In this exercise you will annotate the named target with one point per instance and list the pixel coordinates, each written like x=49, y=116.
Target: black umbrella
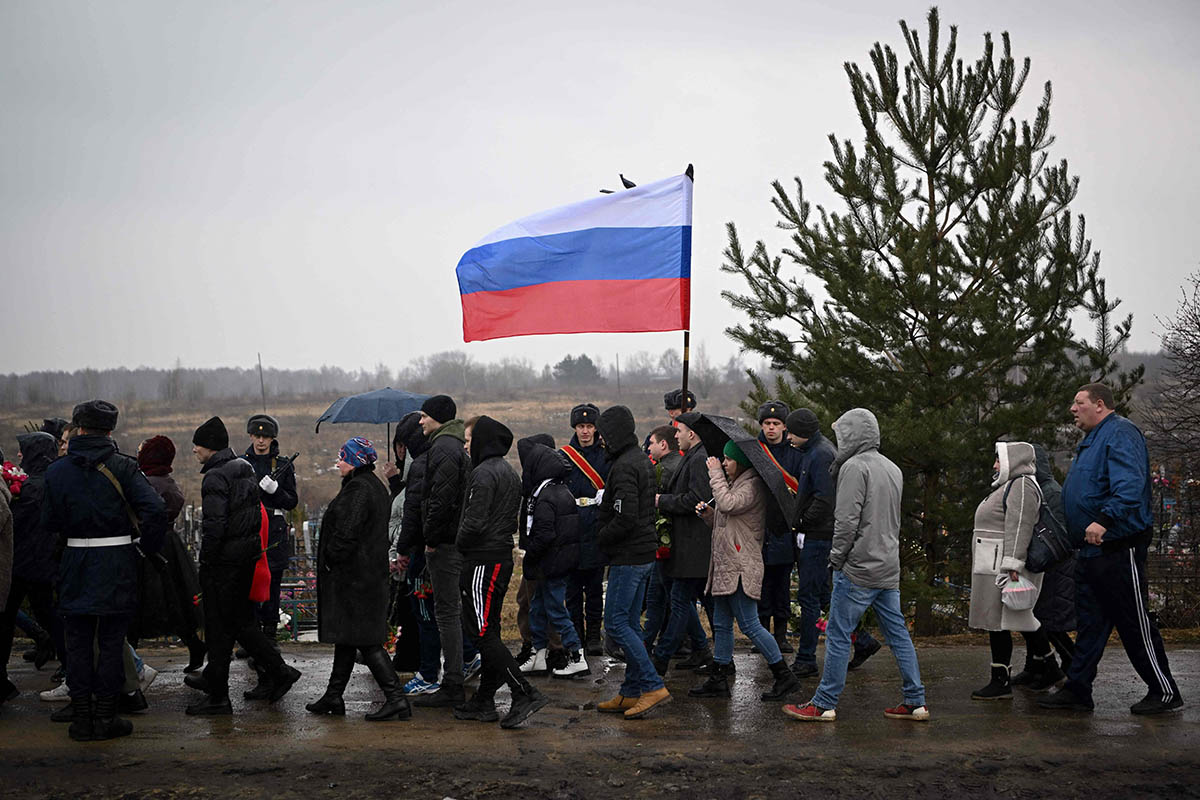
x=382, y=405
x=714, y=431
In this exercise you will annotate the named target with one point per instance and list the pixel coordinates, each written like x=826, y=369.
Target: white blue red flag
x=618, y=263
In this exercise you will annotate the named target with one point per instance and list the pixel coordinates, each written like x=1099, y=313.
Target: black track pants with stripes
x=1111, y=591
x=483, y=589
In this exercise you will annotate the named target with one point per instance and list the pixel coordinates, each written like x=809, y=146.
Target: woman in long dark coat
x=352, y=583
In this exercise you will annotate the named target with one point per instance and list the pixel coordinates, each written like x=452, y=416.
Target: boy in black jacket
x=485, y=539
x=551, y=552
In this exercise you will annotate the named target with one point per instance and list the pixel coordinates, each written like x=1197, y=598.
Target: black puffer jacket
x=352, y=563
x=493, y=502
x=444, y=483
x=691, y=536
x=229, y=499
x=1055, y=607
x=552, y=542
x=411, y=539
x=626, y=517
x=33, y=548
x=524, y=448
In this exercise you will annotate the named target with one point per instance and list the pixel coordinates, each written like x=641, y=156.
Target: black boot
x=1048, y=674
x=395, y=705
x=262, y=689
x=781, y=627
x=1000, y=687
x=785, y=682
x=661, y=665
x=699, y=657
x=196, y=652
x=331, y=702
x=1029, y=673
x=82, y=727
x=106, y=724
x=43, y=652
x=716, y=684
x=594, y=645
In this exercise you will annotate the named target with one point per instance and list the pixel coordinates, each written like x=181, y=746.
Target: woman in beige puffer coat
x=735, y=571
x=1003, y=529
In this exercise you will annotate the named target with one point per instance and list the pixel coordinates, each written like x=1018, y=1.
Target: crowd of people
x=624, y=547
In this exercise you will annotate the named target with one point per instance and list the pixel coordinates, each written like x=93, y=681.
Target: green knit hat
x=734, y=452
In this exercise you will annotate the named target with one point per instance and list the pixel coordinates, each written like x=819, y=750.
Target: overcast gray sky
x=206, y=180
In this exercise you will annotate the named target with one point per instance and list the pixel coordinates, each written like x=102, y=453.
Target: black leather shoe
x=444, y=697
x=196, y=682
x=805, y=670
x=210, y=706
x=523, y=705
x=862, y=654
x=196, y=652
x=262, y=689
x=1065, y=700
x=132, y=703
x=331, y=704
x=283, y=681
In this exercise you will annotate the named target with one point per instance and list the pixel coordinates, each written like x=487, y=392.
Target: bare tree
x=1174, y=414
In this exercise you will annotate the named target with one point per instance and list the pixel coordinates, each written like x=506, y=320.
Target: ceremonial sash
x=793, y=485
x=587, y=469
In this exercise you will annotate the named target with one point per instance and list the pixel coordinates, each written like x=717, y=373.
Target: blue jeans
x=549, y=607
x=683, y=619
x=727, y=607
x=849, y=602
x=623, y=621
x=812, y=594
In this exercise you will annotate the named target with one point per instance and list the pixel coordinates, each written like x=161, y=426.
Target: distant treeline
x=453, y=372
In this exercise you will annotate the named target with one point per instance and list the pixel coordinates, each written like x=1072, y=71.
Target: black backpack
x=1049, y=544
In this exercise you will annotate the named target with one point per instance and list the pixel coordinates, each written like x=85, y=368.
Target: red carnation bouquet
x=14, y=477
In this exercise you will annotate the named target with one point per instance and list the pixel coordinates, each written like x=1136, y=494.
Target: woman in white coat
x=1003, y=529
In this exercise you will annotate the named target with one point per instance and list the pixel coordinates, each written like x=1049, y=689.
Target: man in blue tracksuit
x=1106, y=498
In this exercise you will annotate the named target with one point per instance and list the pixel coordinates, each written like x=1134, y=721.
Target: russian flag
x=617, y=263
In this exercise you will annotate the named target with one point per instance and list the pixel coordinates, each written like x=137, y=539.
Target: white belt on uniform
x=103, y=541
x=279, y=512
x=585, y=501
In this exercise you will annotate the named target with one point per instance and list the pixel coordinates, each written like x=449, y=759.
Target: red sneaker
x=903, y=711
x=810, y=713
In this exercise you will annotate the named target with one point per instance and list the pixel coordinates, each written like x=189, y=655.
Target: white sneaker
x=58, y=694
x=537, y=664
x=146, y=677
x=576, y=665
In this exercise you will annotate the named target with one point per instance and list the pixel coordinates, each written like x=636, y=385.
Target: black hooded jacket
x=230, y=502
x=552, y=517
x=80, y=502
x=524, y=448
x=33, y=548
x=493, y=499
x=626, y=518
x=444, y=482
x=411, y=541
x=1055, y=607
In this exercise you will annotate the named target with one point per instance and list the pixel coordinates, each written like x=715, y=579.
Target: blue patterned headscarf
x=358, y=452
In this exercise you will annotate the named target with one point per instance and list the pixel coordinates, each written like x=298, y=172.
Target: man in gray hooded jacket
x=865, y=558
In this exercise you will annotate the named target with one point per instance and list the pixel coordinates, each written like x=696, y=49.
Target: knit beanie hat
x=772, y=409
x=156, y=455
x=212, y=435
x=732, y=451
x=803, y=423
x=441, y=408
x=358, y=452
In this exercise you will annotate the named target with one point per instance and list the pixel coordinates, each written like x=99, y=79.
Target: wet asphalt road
x=703, y=748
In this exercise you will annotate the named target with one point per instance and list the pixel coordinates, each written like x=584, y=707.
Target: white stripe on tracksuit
x=1144, y=627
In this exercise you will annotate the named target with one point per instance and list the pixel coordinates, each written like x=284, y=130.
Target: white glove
x=799, y=541
x=268, y=484
x=599, y=496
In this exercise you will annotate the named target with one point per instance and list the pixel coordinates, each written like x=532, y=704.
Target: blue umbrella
x=382, y=405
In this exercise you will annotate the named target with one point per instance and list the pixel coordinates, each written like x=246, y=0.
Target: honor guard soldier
x=277, y=490
x=589, y=470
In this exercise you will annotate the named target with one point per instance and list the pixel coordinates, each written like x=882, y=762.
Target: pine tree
x=950, y=276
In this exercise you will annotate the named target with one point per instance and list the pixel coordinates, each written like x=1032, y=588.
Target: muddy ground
x=692, y=748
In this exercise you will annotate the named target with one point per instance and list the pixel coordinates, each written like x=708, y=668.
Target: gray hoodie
x=866, y=528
